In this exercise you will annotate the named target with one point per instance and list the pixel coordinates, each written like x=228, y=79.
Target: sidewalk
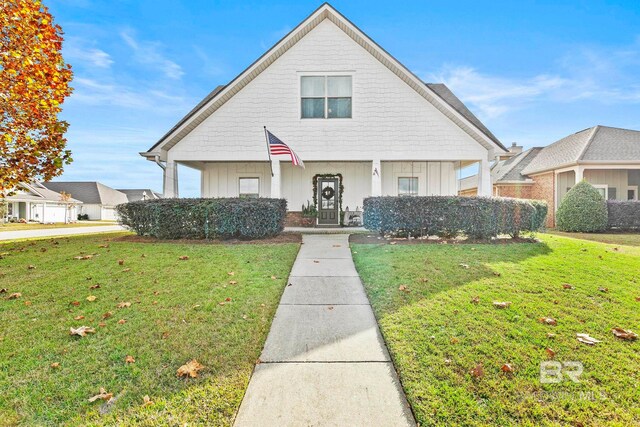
x=56, y=232
x=324, y=362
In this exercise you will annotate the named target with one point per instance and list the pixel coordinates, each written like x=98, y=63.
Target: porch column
x=579, y=174
x=376, y=178
x=275, y=180
x=484, y=179
x=170, y=182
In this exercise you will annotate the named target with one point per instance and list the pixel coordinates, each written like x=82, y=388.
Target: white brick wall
x=390, y=120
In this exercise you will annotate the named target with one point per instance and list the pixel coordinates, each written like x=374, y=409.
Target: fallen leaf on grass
x=126, y=270
x=586, y=339
x=273, y=277
x=27, y=303
x=231, y=273
x=121, y=322
x=96, y=286
x=82, y=331
x=403, y=288
x=548, y=321
x=624, y=334
x=567, y=286
x=78, y=318
x=550, y=335
x=475, y=300
x=424, y=280
x=228, y=299
x=464, y=266
x=103, y=246
x=31, y=267
x=83, y=257
x=91, y=298
x=507, y=368
x=14, y=295
x=43, y=250
x=123, y=304
x=102, y=324
x=120, y=262
x=183, y=258
x=103, y=395
x=4, y=290
x=107, y=315
x=550, y=353
x=146, y=401
x=454, y=340
x=501, y=304
x=638, y=299
x=55, y=365
x=75, y=303
x=233, y=282
x=190, y=369
x=477, y=372
x=129, y=359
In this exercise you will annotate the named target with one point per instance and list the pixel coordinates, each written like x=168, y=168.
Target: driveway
x=56, y=232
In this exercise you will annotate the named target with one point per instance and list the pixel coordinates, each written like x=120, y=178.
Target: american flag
x=277, y=147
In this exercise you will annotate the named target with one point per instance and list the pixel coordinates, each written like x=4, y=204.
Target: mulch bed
x=280, y=239
x=380, y=240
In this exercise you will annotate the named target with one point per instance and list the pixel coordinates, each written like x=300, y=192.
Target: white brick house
x=345, y=106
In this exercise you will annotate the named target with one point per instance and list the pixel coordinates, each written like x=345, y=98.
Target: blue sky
x=533, y=71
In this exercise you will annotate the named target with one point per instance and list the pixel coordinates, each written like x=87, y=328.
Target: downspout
x=156, y=159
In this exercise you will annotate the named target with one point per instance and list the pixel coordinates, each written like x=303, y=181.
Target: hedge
x=624, y=215
x=223, y=218
x=448, y=216
x=582, y=209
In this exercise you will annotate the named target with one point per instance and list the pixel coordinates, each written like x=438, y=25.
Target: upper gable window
x=326, y=97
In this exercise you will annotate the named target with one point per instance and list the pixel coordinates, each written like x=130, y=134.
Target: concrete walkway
x=324, y=362
x=56, y=232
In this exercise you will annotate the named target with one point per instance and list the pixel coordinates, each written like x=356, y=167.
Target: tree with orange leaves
x=34, y=82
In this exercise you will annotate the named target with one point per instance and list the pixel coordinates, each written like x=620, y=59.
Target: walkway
x=56, y=232
x=324, y=362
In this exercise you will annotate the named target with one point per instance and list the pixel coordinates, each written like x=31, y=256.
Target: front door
x=328, y=213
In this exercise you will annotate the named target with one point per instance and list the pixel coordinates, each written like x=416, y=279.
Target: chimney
x=514, y=150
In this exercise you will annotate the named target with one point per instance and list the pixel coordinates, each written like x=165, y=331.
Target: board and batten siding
x=613, y=178
x=434, y=178
x=390, y=120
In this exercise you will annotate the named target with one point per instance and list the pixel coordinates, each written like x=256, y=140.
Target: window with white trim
x=408, y=186
x=9, y=209
x=632, y=192
x=602, y=189
x=249, y=188
x=325, y=97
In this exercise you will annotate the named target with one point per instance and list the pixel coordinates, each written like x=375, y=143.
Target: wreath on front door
x=328, y=193
x=340, y=191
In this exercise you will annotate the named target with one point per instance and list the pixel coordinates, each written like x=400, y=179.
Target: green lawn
x=437, y=335
x=17, y=226
x=175, y=316
x=631, y=239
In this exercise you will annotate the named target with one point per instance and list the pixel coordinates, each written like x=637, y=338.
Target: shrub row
x=223, y=218
x=448, y=216
x=624, y=215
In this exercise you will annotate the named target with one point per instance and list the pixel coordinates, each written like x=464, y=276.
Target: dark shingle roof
x=521, y=161
x=89, y=192
x=450, y=98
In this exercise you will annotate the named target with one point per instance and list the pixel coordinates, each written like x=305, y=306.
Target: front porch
x=332, y=187
x=614, y=182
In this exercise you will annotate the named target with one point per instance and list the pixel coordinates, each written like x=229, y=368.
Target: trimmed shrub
x=223, y=218
x=582, y=209
x=448, y=216
x=624, y=215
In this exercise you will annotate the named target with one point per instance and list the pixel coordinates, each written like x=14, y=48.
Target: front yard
x=215, y=307
x=450, y=349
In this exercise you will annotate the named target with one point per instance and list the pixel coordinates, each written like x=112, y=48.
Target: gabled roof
x=133, y=195
x=89, y=192
x=37, y=192
x=598, y=144
x=460, y=116
x=506, y=171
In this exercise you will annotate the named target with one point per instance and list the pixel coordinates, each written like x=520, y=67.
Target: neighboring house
x=357, y=117
x=98, y=200
x=606, y=157
x=34, y=202
x=143, y=194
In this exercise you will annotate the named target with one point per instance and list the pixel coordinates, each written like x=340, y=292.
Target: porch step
x=326, y=230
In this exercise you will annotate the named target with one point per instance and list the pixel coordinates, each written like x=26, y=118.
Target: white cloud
x=149, y=53
x=79, y=55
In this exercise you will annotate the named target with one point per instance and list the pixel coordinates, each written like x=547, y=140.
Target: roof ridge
x=589, y=141
x=510, y=167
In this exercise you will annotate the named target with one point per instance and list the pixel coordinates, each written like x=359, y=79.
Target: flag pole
x=266, y=138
